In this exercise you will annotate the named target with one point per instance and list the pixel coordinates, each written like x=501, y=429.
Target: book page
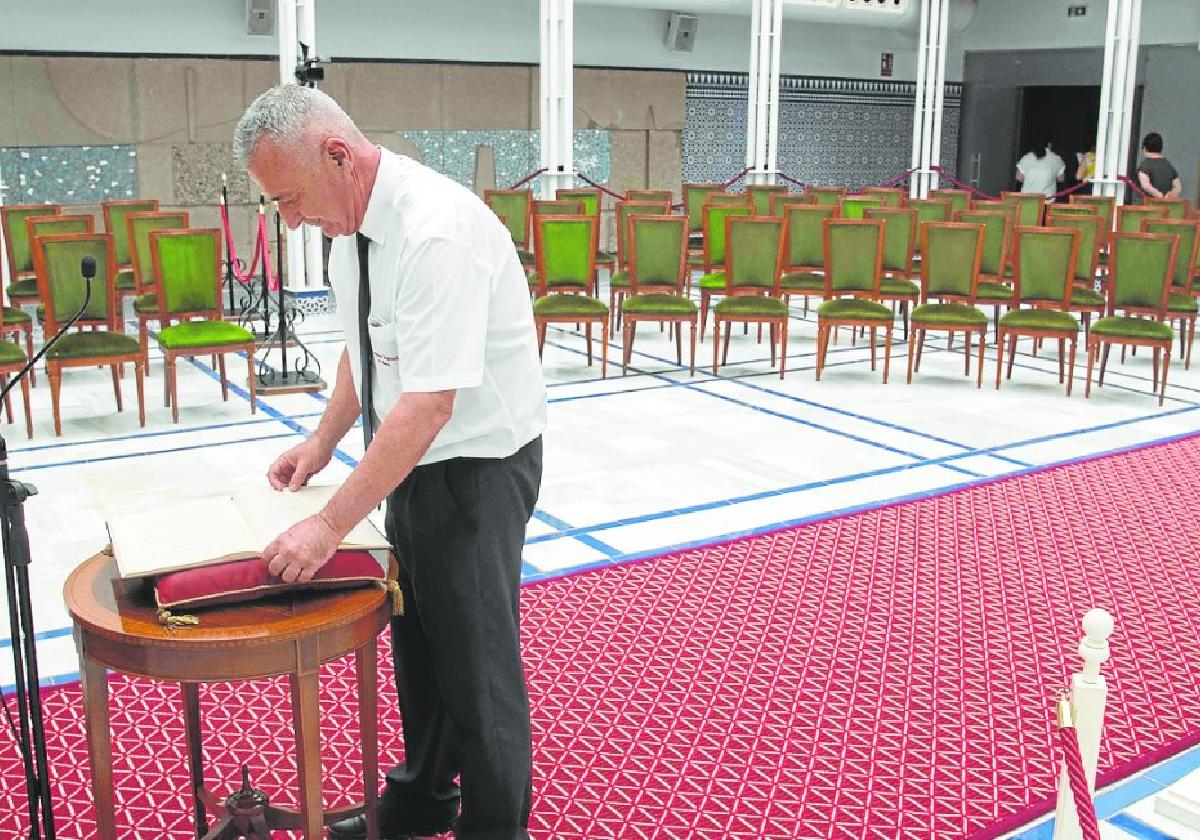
x=180, y=536
x=271, y=512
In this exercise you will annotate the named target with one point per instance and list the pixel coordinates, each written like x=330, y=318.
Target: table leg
x=94, y=679
x=191, y=725
x=306, y=725
x=368, y=732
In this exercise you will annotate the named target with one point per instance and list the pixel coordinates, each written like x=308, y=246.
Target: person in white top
x=453, y=388
x=1040, y=171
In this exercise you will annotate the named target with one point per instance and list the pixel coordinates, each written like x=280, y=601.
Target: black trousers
x=458, y=528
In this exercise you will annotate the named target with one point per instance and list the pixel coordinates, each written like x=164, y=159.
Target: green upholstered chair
x=780, y=201
x=558, y=207
x=1085, y=300
x=516, y=208
x=997, y=221
x=1031, y=207
x=852, y=206
x=888, y=196
x=713, y=260
x=657, y=271
x=1177, y=208
x=928, y=210
x=899, y=241
x=566, y=260
x=1106, y=206
x=1045, y=273
x=659, y=196
x=62, y=292
x=753, y=265
x=949, y=275
x=593, y=204
x=187, y=264
x=1053, y=210
x=827, y=195
x=17, y=248
x=853, y=275
x=12, y=360
x=1130, y=217
x=1181, y=306
x=960, y=200
x=25, y=291
x=114, y=223
x=1140, y=271
x=804, y=250
x=760, y=196
x=618, y=283
x=145, y=281
x=695, y=196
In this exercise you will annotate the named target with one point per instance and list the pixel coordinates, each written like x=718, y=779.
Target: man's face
x=309, y=185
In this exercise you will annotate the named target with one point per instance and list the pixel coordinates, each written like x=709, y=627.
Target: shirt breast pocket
x=384, y=353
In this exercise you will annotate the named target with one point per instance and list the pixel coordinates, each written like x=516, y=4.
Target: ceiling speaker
x=260, y=17
x=681, y=32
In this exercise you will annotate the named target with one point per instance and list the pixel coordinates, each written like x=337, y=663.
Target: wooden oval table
x=116, y=627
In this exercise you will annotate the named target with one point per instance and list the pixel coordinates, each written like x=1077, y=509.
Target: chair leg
x=144, y=338
x=603, y=347
x=1166, y=366
x=887, y=350
x=982, y=342
x=116, y=378
x=1091, y=354
x=677, y=328
x=783, y=329
x=1012, y=354
x=772, y=332
x=1103, y=364
x=904, y=315
x=872, y=346
x=999, y=358
x=170, y=370
x=626, y=346
x=587, y=333
x=920, y=348
x=25, y=383
x=54, y=373
x=166, y=381
x=1062, y=346
x=1087, y=327
x=33, y=370
x=139, y=378
x=967, y=353
x=541, y=337
x=728, y=335
x=822, y=341
x=1187, y=359
x=912, y=353
x=250, y=379
x=224, y=381
x=7, y=397
x=1071, y=366
x=716, y=342
x=692, y=357
x=704, y=296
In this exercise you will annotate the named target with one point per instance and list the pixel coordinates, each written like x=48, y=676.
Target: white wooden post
x=1122, y=33
x=1089, y=693
x=557, y=96
x=928, y=101
x=762, y=92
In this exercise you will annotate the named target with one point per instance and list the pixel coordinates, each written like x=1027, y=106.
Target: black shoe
x=392, y=826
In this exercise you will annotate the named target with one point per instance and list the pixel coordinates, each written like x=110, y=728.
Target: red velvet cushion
x=246, y=580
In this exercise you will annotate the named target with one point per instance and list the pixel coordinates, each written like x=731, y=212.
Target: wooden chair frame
x=789, y=268
x=968, y=299
x=7, y=211
x=616, y=294
x=826, y=325
x=1187, y=333
x=141, y=283
x=487, y=194
x=709, y=266
x=906, y=274
x=778, y=325
x=630, y=320
x=541, y=322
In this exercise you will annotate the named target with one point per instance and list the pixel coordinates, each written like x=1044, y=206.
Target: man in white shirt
x=449, y=385
x=1040, y=171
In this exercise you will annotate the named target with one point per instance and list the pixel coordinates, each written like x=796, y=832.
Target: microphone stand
x=14, y=539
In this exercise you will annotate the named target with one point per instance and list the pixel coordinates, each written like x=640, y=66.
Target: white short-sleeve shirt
x=449, y=311
x=1041, y=174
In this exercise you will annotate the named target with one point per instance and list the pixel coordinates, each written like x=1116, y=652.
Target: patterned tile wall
x=68, y=174
x=831, y=131
x=453, y=153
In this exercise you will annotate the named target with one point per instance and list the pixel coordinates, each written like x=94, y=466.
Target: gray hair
x=284, y=113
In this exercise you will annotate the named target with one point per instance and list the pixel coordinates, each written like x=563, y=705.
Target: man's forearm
x=342, y=409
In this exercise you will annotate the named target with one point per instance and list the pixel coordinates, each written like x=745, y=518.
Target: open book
x=209, y=531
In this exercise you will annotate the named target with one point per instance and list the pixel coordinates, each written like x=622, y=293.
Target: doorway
x=1063, y=115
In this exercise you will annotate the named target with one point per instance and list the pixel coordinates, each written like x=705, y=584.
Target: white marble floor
x=635, y=465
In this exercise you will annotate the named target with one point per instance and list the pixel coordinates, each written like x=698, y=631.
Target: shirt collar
x=374, y=223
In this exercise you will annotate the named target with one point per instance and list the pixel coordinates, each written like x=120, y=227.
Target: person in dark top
x=1156, y=176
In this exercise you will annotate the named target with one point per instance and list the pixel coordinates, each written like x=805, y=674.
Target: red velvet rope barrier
x=600, y=187
x=1085, y=809
x=528, y=178
x=265, y=247
x=262, y=250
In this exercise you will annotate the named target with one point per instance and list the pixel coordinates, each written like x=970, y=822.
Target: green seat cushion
x=526, y=257
x=85, y=345
x=560, y=283
x=13, y=315
x=659, y=305
x=1039, y=319
x=1181, y=303
x=803, y=282
x=619, y=280
x=603, y=258
x=958, y=314
x=855, y=309
x=993, y=291
x=1086, y=297
x=125, y=279
x=203, y=334
x=569, y=305
x=744, y=305
x=23, y=289
x=713, y=281
x=11, y=353
x=695, y=259
x=1123, y=327
x=897, y=287
x=146, y=304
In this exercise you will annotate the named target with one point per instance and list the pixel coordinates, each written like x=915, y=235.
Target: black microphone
x=87, y=267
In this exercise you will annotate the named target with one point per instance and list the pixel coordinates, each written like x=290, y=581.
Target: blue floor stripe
x=57, y=633
x=585, y=538
x=1134, y=826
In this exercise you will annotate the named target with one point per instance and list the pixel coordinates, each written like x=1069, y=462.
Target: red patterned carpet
x=886, y=674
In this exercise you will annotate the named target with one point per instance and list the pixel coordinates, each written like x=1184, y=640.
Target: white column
x=557, y=95
x=5, y=190
x=762, y=92
x=1122, y=33
x=314, y=249
x=930, y=92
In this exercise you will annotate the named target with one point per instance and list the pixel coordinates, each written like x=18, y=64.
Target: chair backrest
x=590, y=196
x=730, y=198
x=649, y=195
x=17, y=249
x=1130, y=217
x=61, y=287
x=996, y=225
x=566, y=249
x=1106, y=206
x=140, y=226
x=929, y=210
x=950, y=265
x=626, y=209
x=959, y=199
x=804, y=235
x=1185, y=258
x=516, y=208
x=755, y=254
x=1072, y=210
x=1044, y=265
x=657, y=251
x=1088, y=225
x=899, y=236
x=1032, y=206
x=889, y=196
x=1139, y=269
x=852, y=207
x=760, y=196
x=187, y=264
x=114, y=222
x=781, y=200
x=695, y=196
x=827, y=195
x=557, y=207
x=36, y=226
x=714, y=229
x=853, y=257
x=1177, y=208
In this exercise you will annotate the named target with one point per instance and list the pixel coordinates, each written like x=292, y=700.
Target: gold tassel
x=107, y=550
x=176, y=622
x=397, y=597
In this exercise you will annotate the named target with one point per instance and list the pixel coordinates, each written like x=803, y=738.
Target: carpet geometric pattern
x=880, y=675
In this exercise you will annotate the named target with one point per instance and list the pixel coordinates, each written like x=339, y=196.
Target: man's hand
x=294, y=468
x=300, y=551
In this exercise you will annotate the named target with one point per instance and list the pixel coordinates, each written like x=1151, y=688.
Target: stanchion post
x=1089, y=692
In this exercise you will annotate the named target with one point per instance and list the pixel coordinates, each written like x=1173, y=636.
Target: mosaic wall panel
x=68, y=174
x=197, y=169
x=831, y=131
x=517, y=152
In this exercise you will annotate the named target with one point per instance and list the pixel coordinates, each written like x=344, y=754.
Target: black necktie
x=366, y=357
